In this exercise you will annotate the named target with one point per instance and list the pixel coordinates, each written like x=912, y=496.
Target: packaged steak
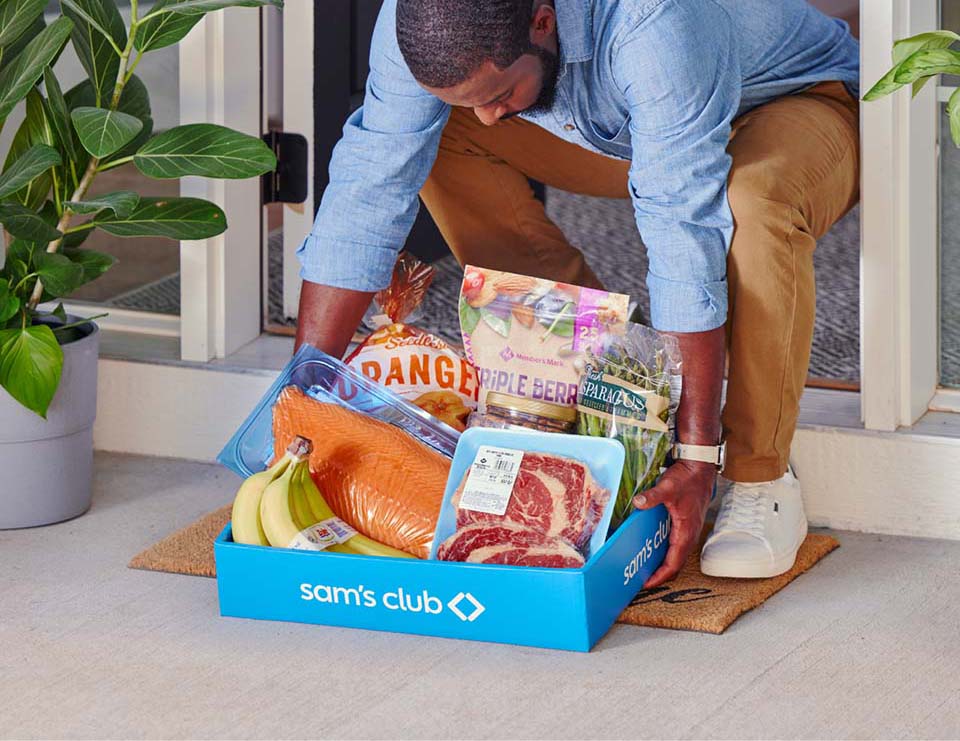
x=527, y=338
x=519, y=502
x=416, y=365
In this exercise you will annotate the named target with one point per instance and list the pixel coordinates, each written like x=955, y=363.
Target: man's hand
x=685, y=490
x=686, y=486
x=329, y=316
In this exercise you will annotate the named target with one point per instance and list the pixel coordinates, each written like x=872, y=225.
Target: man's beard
x=550, y=66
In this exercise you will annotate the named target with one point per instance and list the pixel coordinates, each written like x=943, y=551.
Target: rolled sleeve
x=359, y=267
x=687, y=307
x=681, y=104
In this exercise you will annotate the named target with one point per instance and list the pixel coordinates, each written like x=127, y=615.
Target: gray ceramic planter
x=47, y=465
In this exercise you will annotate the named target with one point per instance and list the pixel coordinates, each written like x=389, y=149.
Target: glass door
x=949, y=222
x=317, y=58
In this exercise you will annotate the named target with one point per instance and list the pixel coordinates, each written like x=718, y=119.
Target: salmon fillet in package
x=375, y=476
x=416, y=365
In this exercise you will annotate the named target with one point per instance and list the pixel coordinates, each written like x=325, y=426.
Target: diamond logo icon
x=454, y=606
x=506, y=354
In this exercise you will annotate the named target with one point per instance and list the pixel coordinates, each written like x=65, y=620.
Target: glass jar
x=515, y=412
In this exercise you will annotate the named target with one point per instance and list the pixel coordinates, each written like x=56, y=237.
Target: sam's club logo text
x=464, y=605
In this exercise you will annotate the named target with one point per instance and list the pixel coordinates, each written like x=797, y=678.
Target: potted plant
x=48, y=360
x=915, y=61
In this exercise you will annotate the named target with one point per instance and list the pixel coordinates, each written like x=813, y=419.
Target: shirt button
x=569, y=127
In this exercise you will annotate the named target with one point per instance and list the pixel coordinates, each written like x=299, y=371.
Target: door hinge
x=288, y=183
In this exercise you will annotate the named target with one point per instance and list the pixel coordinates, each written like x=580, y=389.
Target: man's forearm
x=704, y=356
x=329, y=316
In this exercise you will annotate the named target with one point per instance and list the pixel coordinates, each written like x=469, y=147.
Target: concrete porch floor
x=866, y=645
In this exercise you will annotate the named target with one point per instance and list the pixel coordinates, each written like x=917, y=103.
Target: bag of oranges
x=417, y=365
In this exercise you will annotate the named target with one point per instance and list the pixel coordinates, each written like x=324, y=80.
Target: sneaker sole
x=752, y=569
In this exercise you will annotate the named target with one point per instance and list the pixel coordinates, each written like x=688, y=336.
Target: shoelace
x=742, y=509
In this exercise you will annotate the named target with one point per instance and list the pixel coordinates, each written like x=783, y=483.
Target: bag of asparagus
x=629, y=390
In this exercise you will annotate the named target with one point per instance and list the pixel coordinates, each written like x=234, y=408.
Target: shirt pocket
x=616, y=131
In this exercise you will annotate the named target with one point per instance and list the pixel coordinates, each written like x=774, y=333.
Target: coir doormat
x=691, y=601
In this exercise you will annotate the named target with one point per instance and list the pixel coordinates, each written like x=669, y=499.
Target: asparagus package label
x=527, y=336
x=611, y=398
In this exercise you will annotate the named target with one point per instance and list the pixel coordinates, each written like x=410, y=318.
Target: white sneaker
x=758, y=531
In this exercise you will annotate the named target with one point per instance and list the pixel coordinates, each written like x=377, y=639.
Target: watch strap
x=715, y=454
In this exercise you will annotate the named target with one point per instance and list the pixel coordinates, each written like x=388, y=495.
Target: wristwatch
x=715, y=454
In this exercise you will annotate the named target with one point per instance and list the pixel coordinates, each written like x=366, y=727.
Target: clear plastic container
x=506, y=412
x=327, y=379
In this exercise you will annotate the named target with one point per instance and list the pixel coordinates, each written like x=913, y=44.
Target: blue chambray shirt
x=656, y=82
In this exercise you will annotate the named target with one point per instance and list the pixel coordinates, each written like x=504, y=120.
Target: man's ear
x=543, y=24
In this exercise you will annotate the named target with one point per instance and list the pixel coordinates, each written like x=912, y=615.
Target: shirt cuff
x=687, y=307
x=357, y=267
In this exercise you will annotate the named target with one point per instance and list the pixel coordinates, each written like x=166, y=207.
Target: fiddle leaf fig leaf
x=164, y=29
x=32, y=163
x=205, y=6
x=16, y=16
x=18, y=78
x=98, y=33
x=26, y=224
x=205, y=150
x=175, y=218
x=94, y=263
x=122, y=203
x=59, y=113
x=60, y=275
x=104, y=132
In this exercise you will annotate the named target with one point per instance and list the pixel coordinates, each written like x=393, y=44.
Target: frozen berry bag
x=528, y=338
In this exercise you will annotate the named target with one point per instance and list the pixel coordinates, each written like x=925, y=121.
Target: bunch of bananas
x=283, y=507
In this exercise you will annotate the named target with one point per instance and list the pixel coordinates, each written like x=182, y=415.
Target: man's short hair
x=444, y=42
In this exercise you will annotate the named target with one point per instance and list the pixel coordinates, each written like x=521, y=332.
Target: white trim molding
x=899, y=272
x=298, y=117
x=172, y=410
x=896, y=483
x=220, y=278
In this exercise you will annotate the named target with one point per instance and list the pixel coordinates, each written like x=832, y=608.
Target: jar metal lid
x=532, y=406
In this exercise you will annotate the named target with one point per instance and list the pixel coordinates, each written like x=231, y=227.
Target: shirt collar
x=575, y=30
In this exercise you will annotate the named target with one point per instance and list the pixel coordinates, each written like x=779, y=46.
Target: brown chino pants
x=795, y=172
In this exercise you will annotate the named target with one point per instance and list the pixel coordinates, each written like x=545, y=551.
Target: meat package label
x=491, y=479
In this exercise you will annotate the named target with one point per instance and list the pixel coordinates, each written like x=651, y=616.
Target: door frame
x=899, y=227
x=220, y=293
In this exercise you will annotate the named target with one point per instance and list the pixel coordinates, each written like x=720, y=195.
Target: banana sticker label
x=321, y=536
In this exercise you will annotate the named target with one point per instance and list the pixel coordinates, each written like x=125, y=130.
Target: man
x=731, y=124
